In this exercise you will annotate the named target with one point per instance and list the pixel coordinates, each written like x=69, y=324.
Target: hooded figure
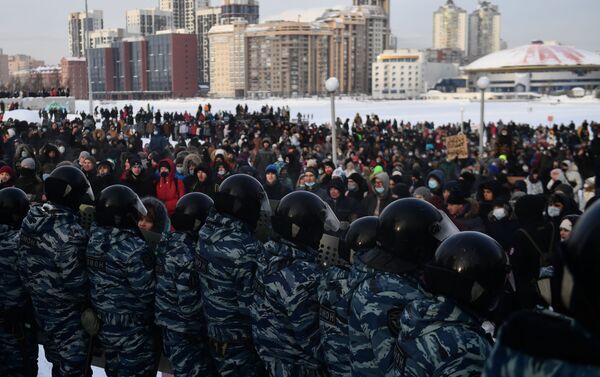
x=29, y=182
x=190, y=162
x=435, y=183
x=201, y=181
x=168, y=188
x=344, y=207
x=381, y=196
x=534, y=246
x=138, y=179
x=357, y=187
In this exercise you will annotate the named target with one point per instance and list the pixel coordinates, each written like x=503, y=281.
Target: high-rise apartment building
x=228, y=59
x=184, y=13
x=347, y=60
x=450, y=27
x=78, y=24
x=232, y=10
x=202, y=4
x=286, y=59
x=148, y=21
x=383, y=4
x=20, y=62
x=484, y=30
x=206, y=18
x=104, y=37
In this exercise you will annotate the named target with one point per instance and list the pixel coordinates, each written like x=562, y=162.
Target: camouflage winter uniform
x=438, y=338
x=17, y=342
x=121, y=270
x=335, y=291
x=178, y=309
x=51, y=266
x=375, y=309
x=227, y=264
x=285, y=313
x=543, y=345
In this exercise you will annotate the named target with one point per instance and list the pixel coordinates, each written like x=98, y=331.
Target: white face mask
x=499, y=213
x=432, y=184
x=553, y=211
x=61, y=149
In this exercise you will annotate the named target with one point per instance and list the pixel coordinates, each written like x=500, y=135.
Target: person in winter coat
x=168, y=188
x=345, y=208
x=138, y=179
x=534, y=184
x=264, y=157
x=381, y=196
x=311, y=183
x=201, y=181
x=464, y=212
x=273, y=187
x=572, y=175
x=29, y=182
x=7, y=177
x=104, y=178
x=502, y=226
x=435, y=183
x=357, y=187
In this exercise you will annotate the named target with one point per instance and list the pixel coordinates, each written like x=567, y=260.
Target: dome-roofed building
x=542, y=67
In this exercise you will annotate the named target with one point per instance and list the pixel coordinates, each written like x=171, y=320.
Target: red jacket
x=169, y=189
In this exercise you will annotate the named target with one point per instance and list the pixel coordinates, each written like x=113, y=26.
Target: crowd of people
x=449, y=266
x=44, y=92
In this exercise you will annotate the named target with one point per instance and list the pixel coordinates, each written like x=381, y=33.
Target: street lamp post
x=483, y=83
x=462, y=119
x=332, y=84
x=88, y=59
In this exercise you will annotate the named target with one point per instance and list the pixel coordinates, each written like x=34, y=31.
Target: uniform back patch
x=328, y=315
x=96, y=263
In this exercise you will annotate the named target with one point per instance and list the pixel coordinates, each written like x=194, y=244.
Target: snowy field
x=563, y=109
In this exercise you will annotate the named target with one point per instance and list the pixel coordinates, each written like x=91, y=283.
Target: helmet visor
x=265, y=204
x=444, y=228
x=331, y=222
x=90, y=193
x=140, y=207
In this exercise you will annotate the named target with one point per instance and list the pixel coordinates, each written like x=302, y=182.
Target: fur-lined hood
x=191, y=158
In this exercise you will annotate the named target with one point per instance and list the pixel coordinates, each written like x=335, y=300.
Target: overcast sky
x=39, y=27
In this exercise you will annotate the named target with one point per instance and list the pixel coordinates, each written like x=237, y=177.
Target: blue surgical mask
x=380, y=190
x=352, y=187
x=432, y=184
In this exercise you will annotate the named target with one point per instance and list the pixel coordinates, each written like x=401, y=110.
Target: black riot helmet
x=243, y=197
x=471, y=268
x=119, y=207
x=68, y=186
x=191, y=212
x=302, y=217
x=361, y=235
x=412, y=229
x=580, y=274
x=14, y=206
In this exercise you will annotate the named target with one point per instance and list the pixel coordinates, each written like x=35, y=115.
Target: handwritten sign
x=458, y=146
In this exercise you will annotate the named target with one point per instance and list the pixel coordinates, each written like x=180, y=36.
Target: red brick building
x=156, y=66
x=74, y=76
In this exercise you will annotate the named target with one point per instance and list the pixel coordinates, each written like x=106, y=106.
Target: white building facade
x=228, y=59
x=184, y=13
x=206, y=18
x=406, y=74
x=104, y=37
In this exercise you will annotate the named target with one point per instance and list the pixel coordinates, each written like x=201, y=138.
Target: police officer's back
x=286, y=312
x=51, y=266
x=443, y=335
x=178, y=309
x=335, y=290
x=228, y=251
x=121, y=270
x=408, y=232
x=17, y=337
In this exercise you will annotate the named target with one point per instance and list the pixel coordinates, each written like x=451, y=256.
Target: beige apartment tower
x=484, y=30
x=450, y=27
x=227, y=59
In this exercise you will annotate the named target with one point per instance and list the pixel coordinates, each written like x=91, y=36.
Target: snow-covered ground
x=562, y=109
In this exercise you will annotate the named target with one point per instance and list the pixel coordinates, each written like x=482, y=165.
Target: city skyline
x=411, y=21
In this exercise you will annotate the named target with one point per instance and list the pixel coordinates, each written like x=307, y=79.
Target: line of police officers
x=413, y=301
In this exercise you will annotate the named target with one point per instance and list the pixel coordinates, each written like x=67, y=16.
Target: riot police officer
x=408, y=233
x=52, y=268
x=121, y=271
x=228, y=252
x=285, y=314
x=17, y=338
x=178, y=308
x=335, y=290
x=443, y=335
